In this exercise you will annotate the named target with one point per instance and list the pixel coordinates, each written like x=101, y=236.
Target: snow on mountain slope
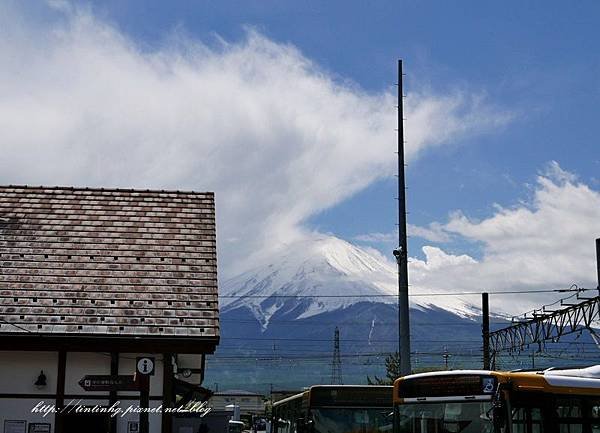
x=317, y=276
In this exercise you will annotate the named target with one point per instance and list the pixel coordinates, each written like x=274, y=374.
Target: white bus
x=476, y=401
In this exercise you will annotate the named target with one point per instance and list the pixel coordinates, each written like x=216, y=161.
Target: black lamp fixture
x=41, y=381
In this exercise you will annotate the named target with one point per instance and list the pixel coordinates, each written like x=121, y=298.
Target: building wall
x=19, y=371
x=249, y=404
x=20, y=409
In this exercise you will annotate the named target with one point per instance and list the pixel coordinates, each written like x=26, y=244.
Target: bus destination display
x=352, y=396
x=447, y=386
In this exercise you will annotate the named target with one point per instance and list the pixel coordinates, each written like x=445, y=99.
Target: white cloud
x=544, y=243
x=434, y=232
x=276, y=137
x=376, y=237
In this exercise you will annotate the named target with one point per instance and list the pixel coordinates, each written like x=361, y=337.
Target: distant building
x=250, y=403
x=90, y=280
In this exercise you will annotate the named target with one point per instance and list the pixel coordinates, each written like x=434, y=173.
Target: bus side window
x=537, y=425
x=519, y=420
x=569, y=415
x=527, y=420
x=595, y=416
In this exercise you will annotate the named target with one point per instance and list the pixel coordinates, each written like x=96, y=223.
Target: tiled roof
x=107, y=262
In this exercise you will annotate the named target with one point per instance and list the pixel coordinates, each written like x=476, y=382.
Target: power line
x=326, y=356
x=548, y=326
x=310, y=340
x=305, y=322
x=414, y=295
x=574, y=288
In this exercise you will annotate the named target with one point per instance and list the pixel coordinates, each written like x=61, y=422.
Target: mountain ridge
x=325, y=274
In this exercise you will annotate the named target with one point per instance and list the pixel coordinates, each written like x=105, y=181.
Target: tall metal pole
x=485, y=328
x=402, y=252
x=598, y=262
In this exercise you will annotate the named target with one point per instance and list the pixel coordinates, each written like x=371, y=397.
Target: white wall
x=80, y=364
x=19, y=371
x=20, y=409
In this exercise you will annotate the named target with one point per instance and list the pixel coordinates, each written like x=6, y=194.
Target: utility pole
x=485, y=328
x=598, y=262
x=401, y=253
x=336, y=363
x=446, y=356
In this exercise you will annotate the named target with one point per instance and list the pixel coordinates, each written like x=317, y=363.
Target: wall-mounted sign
x=15, y=426
x=108, y=383
x=145, y=365
x=38, y=427
x=133, y=427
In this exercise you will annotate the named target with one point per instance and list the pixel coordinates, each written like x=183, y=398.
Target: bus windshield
x=352, y=420
x=446, y=417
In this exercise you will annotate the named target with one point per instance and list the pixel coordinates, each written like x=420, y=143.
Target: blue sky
x=286, y=110
x=539, y=59
x=536, y=59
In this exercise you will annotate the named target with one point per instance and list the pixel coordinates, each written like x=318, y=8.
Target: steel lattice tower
x=548, y=324
x=336, y=363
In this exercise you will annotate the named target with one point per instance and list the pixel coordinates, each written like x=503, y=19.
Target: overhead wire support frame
x=548, y=327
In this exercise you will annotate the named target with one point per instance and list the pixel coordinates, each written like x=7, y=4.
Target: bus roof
x=592, y=372
x=290, y=398
x=447, y=373
x=584, y=381
x=342, y=388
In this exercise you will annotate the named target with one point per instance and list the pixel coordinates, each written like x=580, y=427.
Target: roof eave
x=108, y=343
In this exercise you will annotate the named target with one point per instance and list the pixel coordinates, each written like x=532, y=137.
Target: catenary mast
x=401, y=253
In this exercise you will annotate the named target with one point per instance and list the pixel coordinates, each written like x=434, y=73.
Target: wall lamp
x=41, y=381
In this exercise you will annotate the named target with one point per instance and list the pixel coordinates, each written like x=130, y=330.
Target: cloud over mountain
x=546, y=242
x=278, y=138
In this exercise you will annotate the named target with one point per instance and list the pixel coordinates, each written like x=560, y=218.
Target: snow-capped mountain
x=318, y=276
x=283, y=315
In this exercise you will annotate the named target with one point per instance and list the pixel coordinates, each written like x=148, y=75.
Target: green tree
x=392, y=371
